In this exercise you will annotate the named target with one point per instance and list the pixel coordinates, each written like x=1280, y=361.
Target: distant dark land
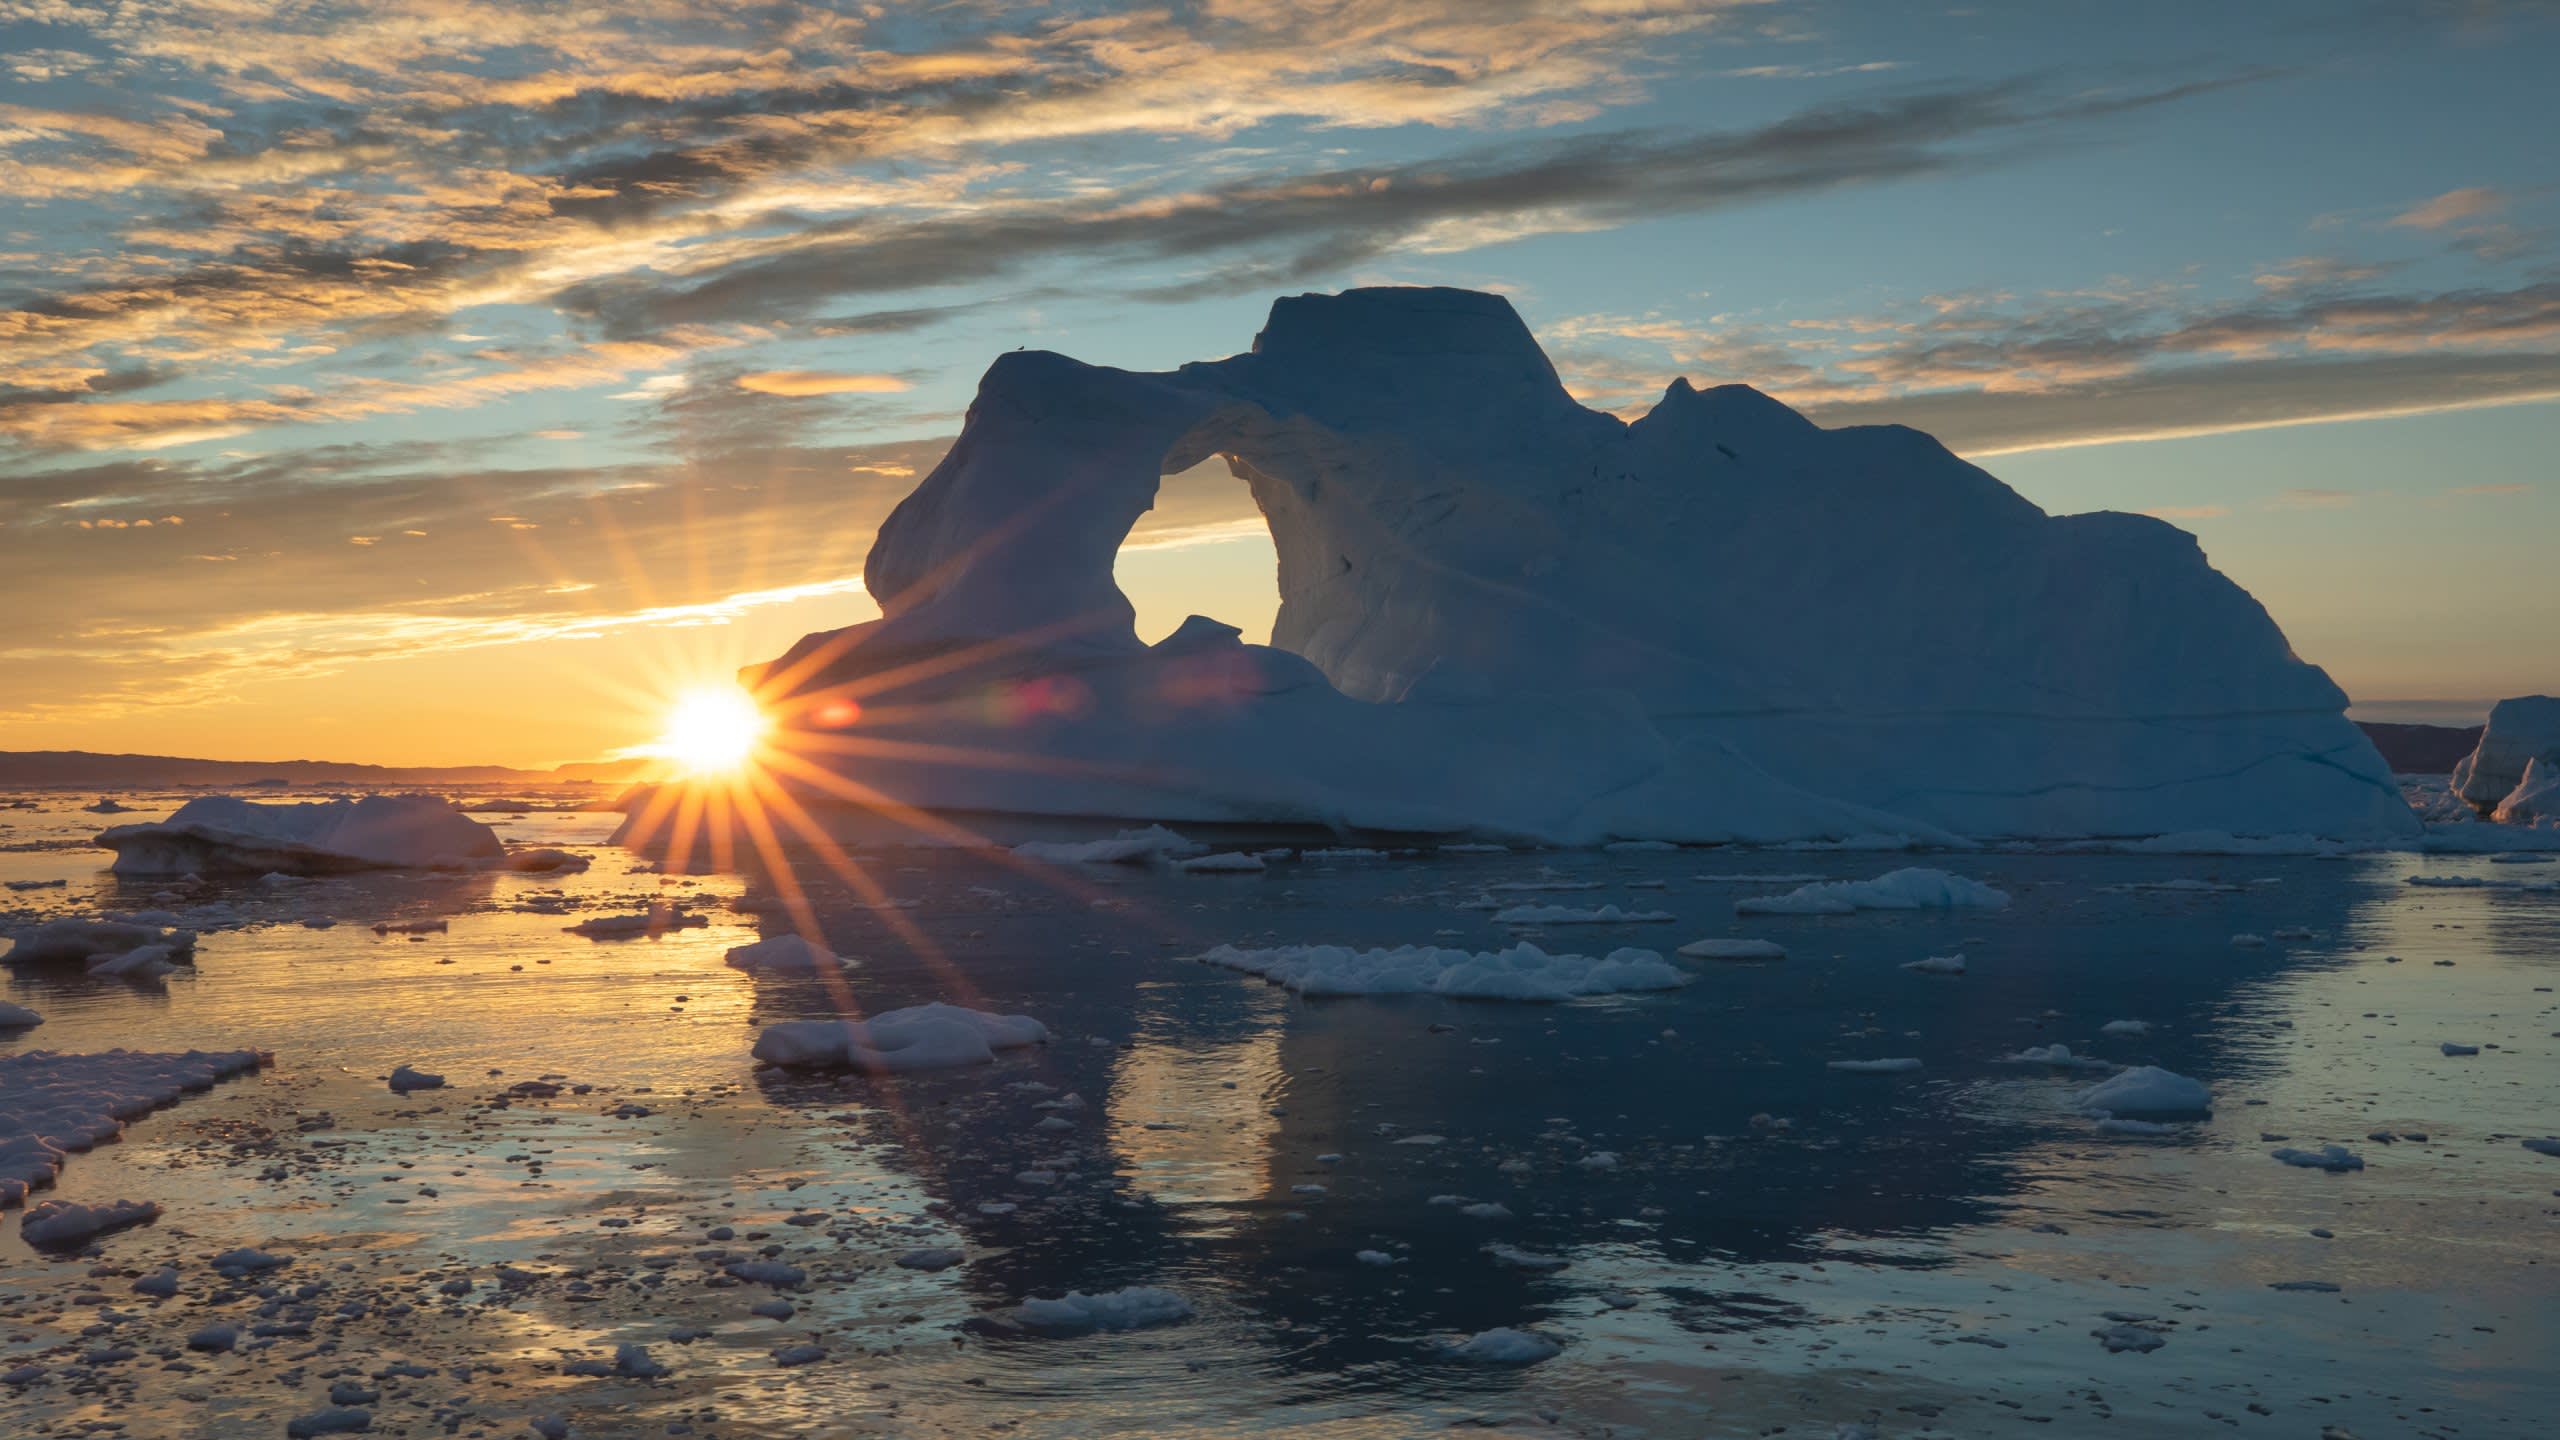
x=84, y=770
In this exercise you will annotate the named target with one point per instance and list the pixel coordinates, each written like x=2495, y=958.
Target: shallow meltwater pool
x=1704, y=1210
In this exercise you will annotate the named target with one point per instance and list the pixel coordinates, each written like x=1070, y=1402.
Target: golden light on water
x=712, y=730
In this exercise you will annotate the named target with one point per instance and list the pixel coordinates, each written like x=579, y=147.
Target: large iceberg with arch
x=1506, y=614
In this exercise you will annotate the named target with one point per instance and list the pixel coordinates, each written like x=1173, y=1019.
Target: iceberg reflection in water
x=1659, y=1209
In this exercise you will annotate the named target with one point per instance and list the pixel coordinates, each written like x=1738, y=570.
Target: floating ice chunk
x=224, y=834
x=405, y=1079
x=1519, y=1259
x=2147, y=1090
x=2125, y=1028
x=932, y=1258
x=160, y=1284
x=1573, y=915
x=1737, y=950
x=2118, y=1125
x=2247, y=941
x=1129, y=847
x=215, y=1337
x=545, y=861
x=2332, y=1158
x=2451, y=1048
x=767, y=1272
x=1504, y=1346
x=803, y=1353
x=1636, y=846
x=657, y=920
x=62, y=1224
x=2057, y=1055
x=1343, y=852
x=1910, y=888
x=53, y=1105
x=17, y=1017
x=1229, y=862
x=2309, y=1287
x=87, y=942
x=246, y=1261
x=1486, y=1210
x=411, y=927
x=1375, y=1257
x=333, y=1420
x=2134, y=1338
x=1136, y=1307
x=921, y=1037
x=1876, y=1067
x=2542, y=1145
x=784, y=955
x=1522, y=972
x=1936, y=965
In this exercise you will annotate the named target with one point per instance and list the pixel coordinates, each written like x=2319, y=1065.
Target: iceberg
x=224, y=835
x=2513, y=776
x=1508, y=616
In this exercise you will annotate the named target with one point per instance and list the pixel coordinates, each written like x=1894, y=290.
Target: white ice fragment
x=1910, y=888
x=63, y=1224
x=1230, y=862
x=1740, y=950
x=1893, y=1066
x=783, y=955
x=225, y=834
x=405, y=1079
x=2147, y=1090
x=1504, y=1346
x=921, y=1037
x=2333, y=1158
x=1577, y=915
x=1936, y=965
x=1134, y=1307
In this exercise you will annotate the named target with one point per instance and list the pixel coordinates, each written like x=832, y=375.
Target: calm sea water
x=1926, y=1253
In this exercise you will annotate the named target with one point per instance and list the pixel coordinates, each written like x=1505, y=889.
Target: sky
x=433, y=381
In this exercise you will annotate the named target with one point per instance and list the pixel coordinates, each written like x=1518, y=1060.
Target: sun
x=711, y=729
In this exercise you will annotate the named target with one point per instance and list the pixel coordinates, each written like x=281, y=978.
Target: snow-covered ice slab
x=228, y=835
x=1137, y=1307
x=1911, y=888
x=1719, y=622
x=921, y=1037
x=1522, y=972
x=54, y=1105
x=122, y=949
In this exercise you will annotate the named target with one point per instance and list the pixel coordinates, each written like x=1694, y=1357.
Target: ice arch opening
x=1203, y=550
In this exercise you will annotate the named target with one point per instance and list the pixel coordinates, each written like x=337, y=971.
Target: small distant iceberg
x=2513, y=777
x=221, y=834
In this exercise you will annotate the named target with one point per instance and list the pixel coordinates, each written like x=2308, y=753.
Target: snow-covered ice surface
x=1750, y=628
x=223, y=834
x=1773, y=1243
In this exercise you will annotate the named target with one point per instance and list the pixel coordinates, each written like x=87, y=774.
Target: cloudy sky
x=439, y=381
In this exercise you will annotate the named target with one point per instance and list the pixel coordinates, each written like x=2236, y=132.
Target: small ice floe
x=2336, y=1159
x=1895, y=1066
x=1522, y=972
x=17, y=1017
x=405, y=1079
x=1745, y=951
x=1503, y=1346
x=332, y=1420
x=1343, y=852
x=225, y=834
x=122, y=948
x=2146, y=1090
x=2134, y=1338
x=804, y=1353
x=68, y=1225
x=2118, y=1125
x=1486, y=1210
x=2542, y=1145
x=1599, y=1160
x=1136, y=1307
x=1524, y=1259
x=1553, y=882
x=54, y=1105
x=1628, y=847
x=1936, y=965
x=922, y=1037
x=1129, y=847
x=2291, y=932
x=783, y=955
x=2126, y=1029
x=235, y=1264
x=545, y=861
x=2452, y=1048
x=411, y=927
x=160, y=1284
x=1227, y=862
x=657, y=920
x=2310, y=1287
x=774, y=1309
x=1910, y=888
x=214, y=1338
x=2247, y=941
x=1577, y=915
x=1375, y=1257
x=2058, y=1056
x=932, y=1258
x=767, y=1272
